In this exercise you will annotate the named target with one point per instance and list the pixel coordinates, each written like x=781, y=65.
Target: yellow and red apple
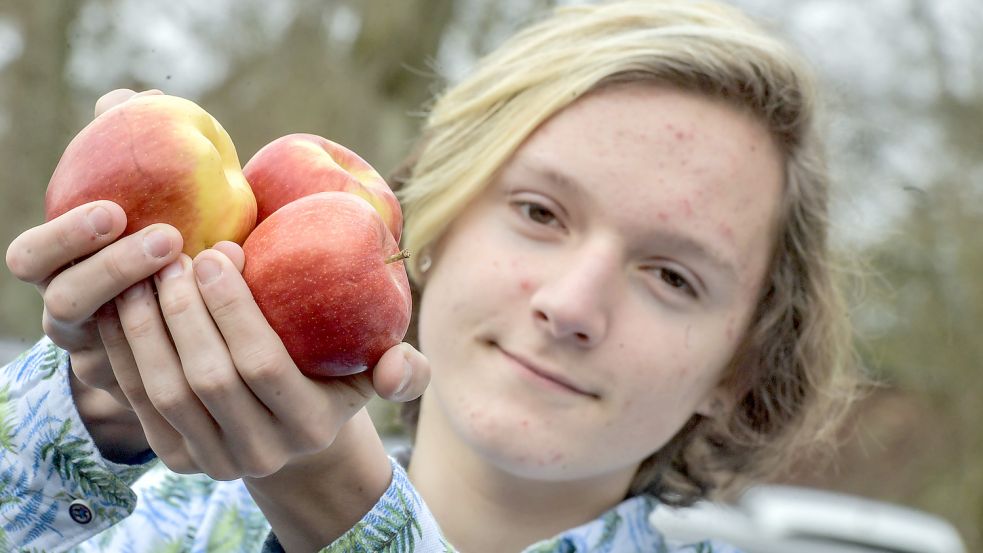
x=328, y=275
x=296, y=165
x=163, y=159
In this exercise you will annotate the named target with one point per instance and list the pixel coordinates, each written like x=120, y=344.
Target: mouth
x=550, y=376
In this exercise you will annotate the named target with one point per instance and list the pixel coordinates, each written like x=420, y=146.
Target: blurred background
x=904, y=96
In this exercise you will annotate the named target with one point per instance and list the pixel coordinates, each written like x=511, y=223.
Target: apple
x=163, y=159
x=300, y=164
x=328, y=275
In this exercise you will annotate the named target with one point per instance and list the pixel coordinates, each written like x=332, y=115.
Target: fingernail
x=157, y=244
x=404, y=383
x=207, y=270
x=134, y=292
x=173, y=269
x=100, y=220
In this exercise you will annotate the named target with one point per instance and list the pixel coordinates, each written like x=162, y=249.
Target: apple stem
x=398, y=256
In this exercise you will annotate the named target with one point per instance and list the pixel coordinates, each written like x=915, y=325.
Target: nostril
x=582, y=337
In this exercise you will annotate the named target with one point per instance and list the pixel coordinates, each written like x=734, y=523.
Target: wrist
x=319, y=497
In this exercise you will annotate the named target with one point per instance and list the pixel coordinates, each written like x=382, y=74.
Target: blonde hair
x=794, y=375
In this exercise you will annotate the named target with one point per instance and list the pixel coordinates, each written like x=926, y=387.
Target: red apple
x=163, y=159
x=328, y=275
x=300, y=164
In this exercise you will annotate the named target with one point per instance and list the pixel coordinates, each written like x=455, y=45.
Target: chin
x=507, y=438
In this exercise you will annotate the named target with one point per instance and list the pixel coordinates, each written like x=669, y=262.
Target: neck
x=482, y=508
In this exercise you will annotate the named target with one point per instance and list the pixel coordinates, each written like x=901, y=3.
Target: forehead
x=651, y=159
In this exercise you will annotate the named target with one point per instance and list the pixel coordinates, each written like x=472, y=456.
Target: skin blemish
x=680, y=134
x=525, y=424
x=727, y=231
x=663, y=216
x=525, y=285
x=687, y=208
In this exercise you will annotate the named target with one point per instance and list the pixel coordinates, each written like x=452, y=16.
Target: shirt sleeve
x=56, y=489
x=400, y=521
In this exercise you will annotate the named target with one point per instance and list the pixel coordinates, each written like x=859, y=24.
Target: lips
x=547, y=374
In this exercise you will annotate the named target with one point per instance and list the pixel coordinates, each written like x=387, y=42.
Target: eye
x=677, y=281
x=537, y=213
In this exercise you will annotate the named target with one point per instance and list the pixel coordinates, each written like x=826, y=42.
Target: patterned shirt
x=57, y=493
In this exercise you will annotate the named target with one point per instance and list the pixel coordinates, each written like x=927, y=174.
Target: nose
x=574, y=303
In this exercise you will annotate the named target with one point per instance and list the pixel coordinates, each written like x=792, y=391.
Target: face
x=586, y=303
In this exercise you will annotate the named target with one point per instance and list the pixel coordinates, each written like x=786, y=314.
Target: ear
x=715, y=402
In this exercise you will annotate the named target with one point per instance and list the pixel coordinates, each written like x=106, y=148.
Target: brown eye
x=674, y=279
x=538, y=214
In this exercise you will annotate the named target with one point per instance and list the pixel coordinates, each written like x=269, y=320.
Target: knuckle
x=225, y=306
x=315, y=434
x=63, y=238
x=217, y=466
x=176, y=303
x=117, y=268
x=263, y=366
x=134, y=393
x=177, y=460
x=212, y=380
x=141, y=326
x=60, y=306
x=223, y=473
x=50, y=327
x=259, y=466
x=112, y=336
x=90, y=372
x=169, y=401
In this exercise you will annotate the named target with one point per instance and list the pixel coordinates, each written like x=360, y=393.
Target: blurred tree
x=40, y=112
x=918, y=443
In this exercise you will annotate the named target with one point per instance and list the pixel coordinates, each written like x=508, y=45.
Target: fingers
x=92, y=368
x=164, y=389
x=206, y=361
x=40, y=251
x=256, y=350
x=402, y=374
x=309, y=413
x=116, y=97
x=78, y=291
x=234, y=252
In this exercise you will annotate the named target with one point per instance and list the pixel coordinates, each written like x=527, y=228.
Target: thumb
x=402, y=374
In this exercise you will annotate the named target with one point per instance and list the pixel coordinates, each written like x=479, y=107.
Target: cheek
x=670, y=364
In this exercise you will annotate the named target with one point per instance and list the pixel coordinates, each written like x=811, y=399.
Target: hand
x=78, y=265
x=213, y=385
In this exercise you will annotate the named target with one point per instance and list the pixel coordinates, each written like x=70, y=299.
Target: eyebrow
x=675, y=240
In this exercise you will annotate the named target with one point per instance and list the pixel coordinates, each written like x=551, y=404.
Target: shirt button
x=80, y=511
